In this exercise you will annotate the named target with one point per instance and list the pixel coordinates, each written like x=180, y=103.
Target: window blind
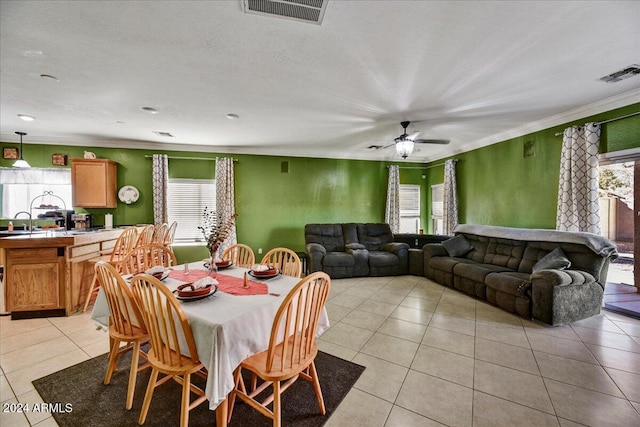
x=187, y=199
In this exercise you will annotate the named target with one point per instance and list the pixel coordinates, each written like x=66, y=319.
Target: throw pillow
x=457, y=246
x=556, y=259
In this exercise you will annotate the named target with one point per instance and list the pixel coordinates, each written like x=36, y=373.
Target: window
x=437, y=208
x=21, y=186
x=186, y=200
x=409, y=208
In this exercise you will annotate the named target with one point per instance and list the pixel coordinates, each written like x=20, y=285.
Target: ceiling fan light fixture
x=404, y=147
x=21, y=163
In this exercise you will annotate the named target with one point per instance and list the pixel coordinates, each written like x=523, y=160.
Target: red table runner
x=227, y=284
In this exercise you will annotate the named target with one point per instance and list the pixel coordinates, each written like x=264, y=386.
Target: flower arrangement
x=214, y=229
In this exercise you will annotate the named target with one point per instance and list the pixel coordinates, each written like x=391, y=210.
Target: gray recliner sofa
x=355, y=249
x=553, y=276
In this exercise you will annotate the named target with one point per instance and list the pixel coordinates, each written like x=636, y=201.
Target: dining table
x=228, y=326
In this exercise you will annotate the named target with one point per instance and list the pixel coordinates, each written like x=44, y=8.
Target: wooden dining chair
x=285, y=259
x=171, y=234
x=292, y=349
x=160, y=233
x=145, y=237
x=176, y=359
x=125, y=242
x=142, y=258
x=125, y=325
x=241, y=255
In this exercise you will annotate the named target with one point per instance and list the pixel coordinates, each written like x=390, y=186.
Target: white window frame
x=437, y=208
x=410, y=208
x=186, y=200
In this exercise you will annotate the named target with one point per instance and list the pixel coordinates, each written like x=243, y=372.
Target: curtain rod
x=189, y=158
x=424, y=167
x=607, y=121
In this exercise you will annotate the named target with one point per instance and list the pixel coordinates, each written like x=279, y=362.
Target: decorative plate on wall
x=128, y=194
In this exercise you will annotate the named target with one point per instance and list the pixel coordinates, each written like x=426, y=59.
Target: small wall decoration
x=9, y=153
x=59, y=159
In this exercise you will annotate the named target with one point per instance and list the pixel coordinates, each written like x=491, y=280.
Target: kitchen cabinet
x=94, y=183
x=34, y=279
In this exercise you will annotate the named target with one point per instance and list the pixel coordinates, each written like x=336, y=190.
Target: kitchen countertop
x=39, y=238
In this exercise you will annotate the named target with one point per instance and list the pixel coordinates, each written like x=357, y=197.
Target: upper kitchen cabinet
x=94, y=183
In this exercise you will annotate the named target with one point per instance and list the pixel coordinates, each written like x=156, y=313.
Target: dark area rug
x=94, y=404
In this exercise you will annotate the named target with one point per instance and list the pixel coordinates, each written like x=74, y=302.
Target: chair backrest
x=160, y=233
x=125, y=313
x=145, y=237
x=285, y=259
x=126, y=241
x=142, y=258
x=241, y=255
x=166, y=323
x=171, y=234
x=296, y=323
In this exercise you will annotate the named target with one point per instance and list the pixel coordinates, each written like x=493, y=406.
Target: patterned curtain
x=225, y=198
x=578, y=208
x=450, y=197
x=392, y=211
x=160, y=177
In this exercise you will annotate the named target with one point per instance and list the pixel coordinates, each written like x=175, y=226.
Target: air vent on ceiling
x=629, y=71
x=297, y=10
x=165, y=134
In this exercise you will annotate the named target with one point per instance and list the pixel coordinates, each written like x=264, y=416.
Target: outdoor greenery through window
x=186, y=200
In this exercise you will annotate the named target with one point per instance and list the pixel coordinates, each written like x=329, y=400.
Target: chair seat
x=258, y=363
x=136, y=334
x=179, y=365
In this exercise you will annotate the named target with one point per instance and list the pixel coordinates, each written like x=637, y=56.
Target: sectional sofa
x=355, y=249
x=553, y=276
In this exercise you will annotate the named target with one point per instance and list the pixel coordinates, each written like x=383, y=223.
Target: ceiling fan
x=405, y=142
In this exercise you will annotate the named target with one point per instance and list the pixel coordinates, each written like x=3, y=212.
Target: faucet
x=21, y=212
x=25, y=225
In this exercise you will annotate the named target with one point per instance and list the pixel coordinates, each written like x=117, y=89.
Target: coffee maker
x=81, y=221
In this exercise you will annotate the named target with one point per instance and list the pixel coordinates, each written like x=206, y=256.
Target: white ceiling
x=472, y=72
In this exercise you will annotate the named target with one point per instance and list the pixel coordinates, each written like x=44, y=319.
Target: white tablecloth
x=226, y=328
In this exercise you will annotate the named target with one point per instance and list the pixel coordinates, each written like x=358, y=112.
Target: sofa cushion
x=338, y=259
x=556, y=259
x=382, y=259
x=504, y=252
x=374, y=236
x=457, y=246
x=510, y=282
x=476, y=272
x=446, y=264
x=328, y=235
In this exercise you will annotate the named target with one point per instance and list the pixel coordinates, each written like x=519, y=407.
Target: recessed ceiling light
x=150, y=110
x=26, y=118
x=232, y=116
x=49, y=77
x=119, y=122
x=32, y=53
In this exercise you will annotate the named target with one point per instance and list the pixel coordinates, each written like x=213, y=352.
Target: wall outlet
x=259, y=250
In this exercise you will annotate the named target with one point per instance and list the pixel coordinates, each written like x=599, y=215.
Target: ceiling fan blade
x=431, y=141
x=413, y=136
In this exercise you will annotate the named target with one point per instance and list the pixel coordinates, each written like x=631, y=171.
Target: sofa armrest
x=432, y=250
x=316, y=253
x=564, y=296
x=401, y=250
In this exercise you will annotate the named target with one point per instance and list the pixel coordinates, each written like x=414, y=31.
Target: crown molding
x=623, y=100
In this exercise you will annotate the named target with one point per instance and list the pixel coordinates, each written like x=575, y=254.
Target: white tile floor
x=434, y=356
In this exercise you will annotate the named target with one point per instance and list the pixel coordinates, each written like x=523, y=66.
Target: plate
x=263, y=276
x=196, y=298
x=164, y=275
x=128, y=194
x=220, y=267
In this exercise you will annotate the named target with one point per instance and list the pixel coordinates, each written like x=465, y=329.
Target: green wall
x=272, y=206
x=497, y=185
